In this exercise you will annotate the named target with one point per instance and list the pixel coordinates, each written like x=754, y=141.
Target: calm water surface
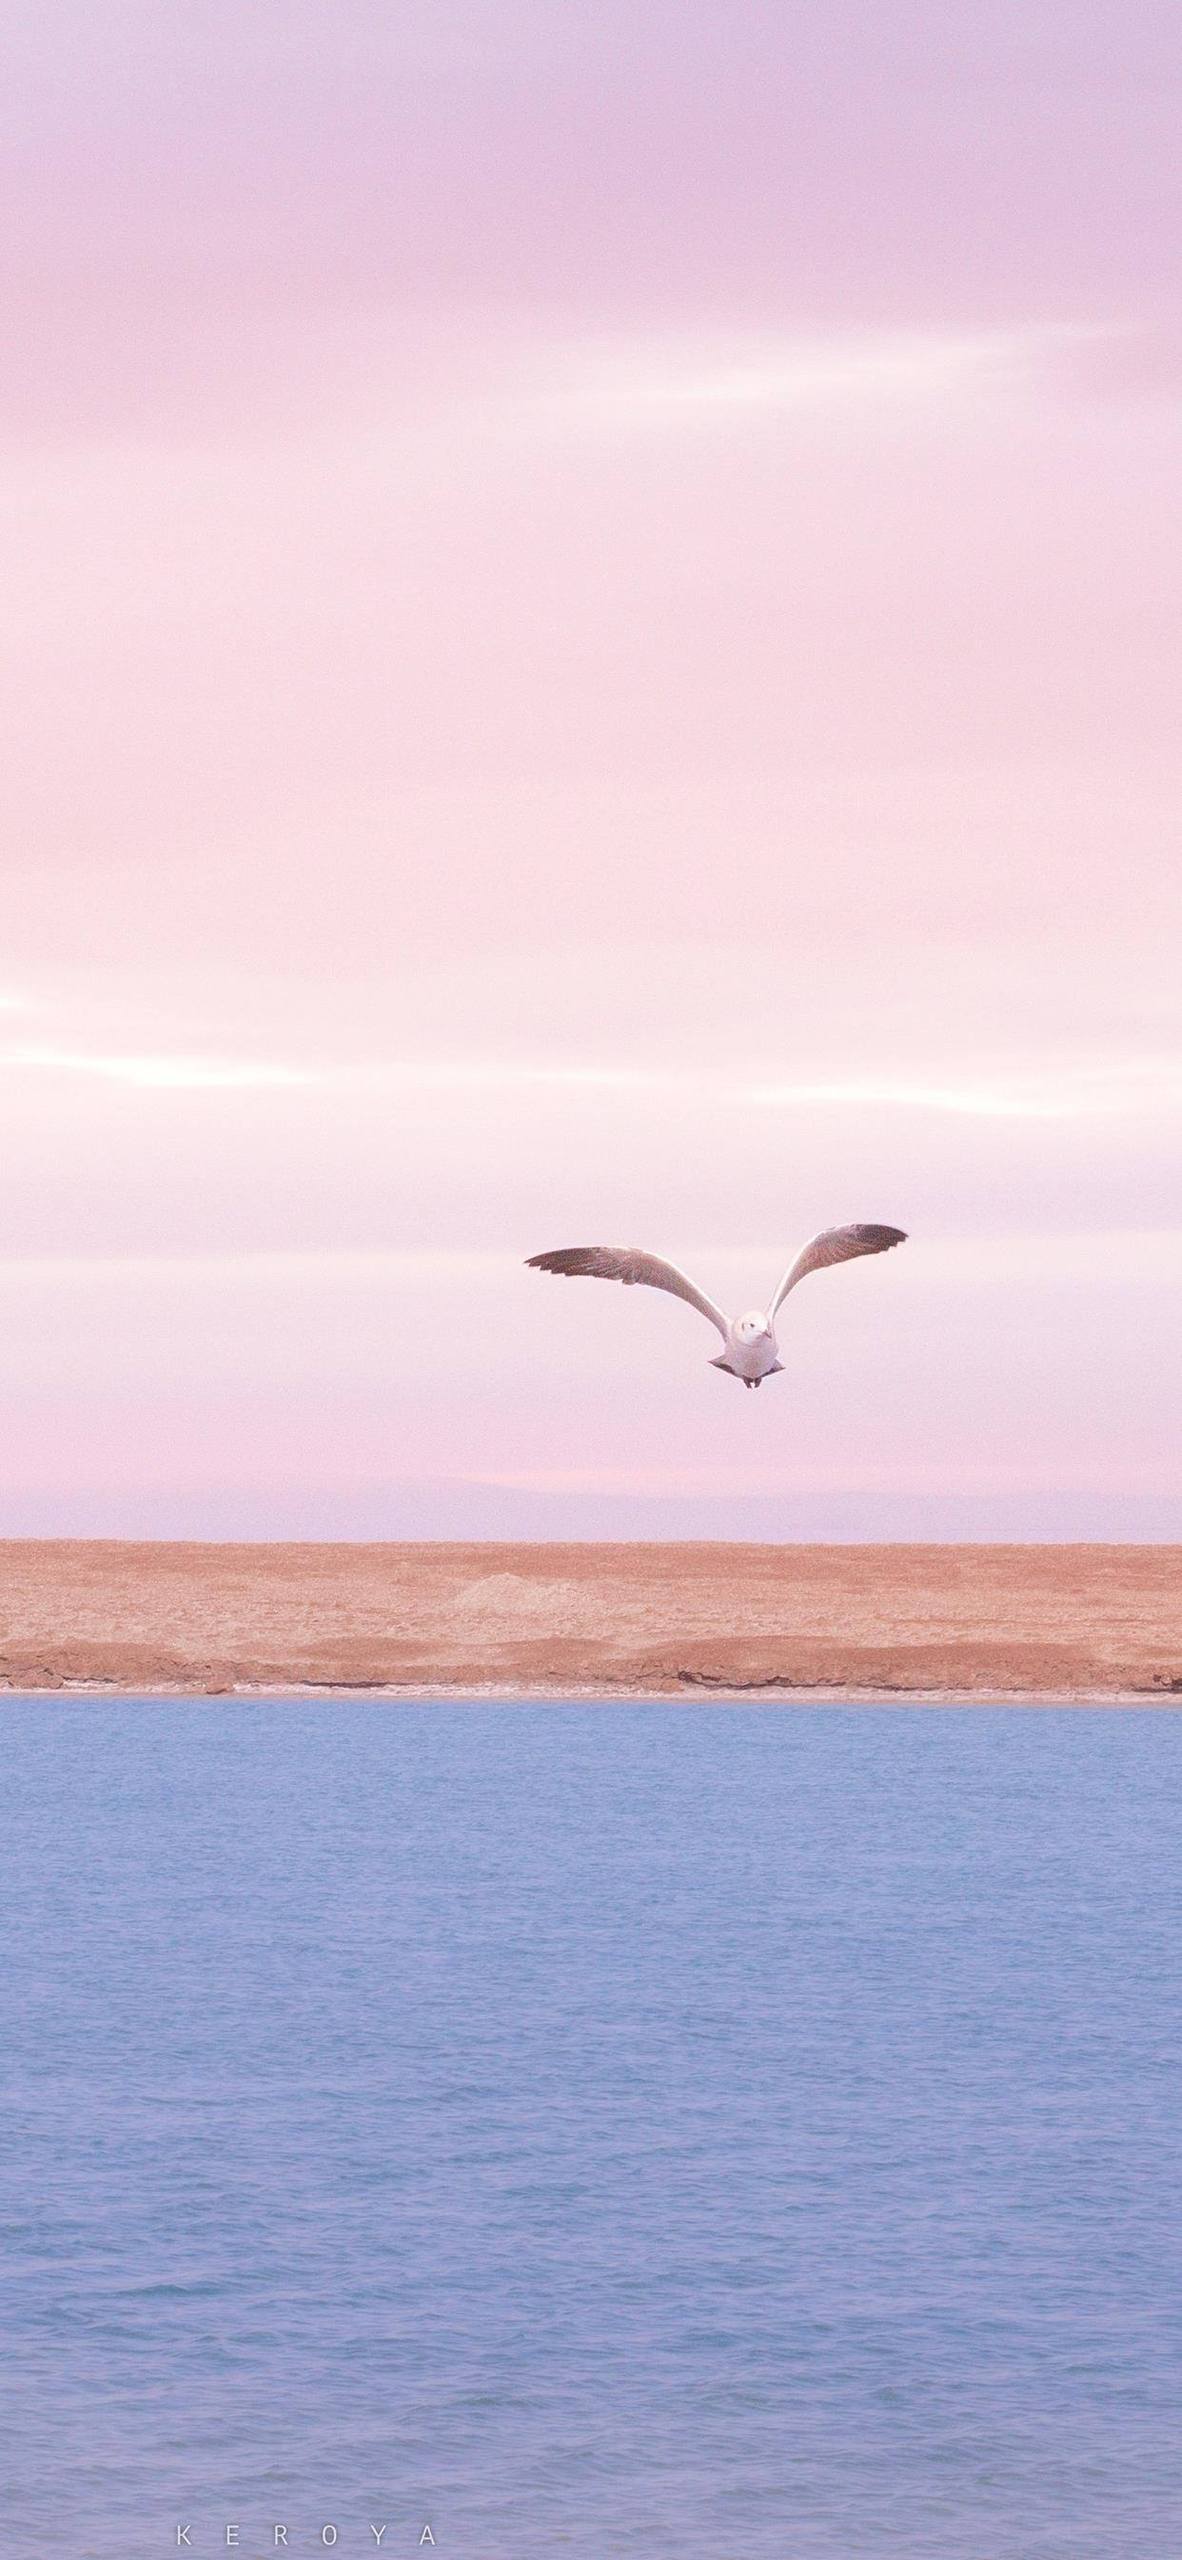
x=672, y=2130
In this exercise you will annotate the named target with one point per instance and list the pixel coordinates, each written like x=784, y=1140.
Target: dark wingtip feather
x=569, y=1260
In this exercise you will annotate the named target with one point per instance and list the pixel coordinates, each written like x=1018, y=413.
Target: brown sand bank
x=976, y=1621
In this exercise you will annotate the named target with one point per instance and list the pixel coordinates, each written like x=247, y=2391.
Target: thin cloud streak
x=1073, y=1093
x=1077, y=1093
x=171, y=1074
x=891, y=1478
x=855, y=370
x=1131, y=1256
x=381, y=1267
x=979, y=1104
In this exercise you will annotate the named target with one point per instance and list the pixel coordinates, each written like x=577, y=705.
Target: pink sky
x=591, y=618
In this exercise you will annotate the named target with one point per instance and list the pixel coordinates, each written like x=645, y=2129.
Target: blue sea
x=664, y=2130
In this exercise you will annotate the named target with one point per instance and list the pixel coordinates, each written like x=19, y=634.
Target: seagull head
x=751, y=1328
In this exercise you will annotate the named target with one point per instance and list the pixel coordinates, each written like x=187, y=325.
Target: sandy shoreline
x=471, y=1695
x=937, y=1624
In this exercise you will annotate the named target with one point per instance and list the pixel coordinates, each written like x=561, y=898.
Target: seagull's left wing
x=836, y=1244
x=626, y=1262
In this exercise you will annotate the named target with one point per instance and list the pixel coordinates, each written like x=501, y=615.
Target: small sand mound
x=527, y=1602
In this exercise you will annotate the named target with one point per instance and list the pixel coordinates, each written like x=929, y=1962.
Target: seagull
x=751, y=1351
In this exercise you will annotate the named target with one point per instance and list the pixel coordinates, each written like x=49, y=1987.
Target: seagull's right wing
x=626, y=1262
x=836, y=1244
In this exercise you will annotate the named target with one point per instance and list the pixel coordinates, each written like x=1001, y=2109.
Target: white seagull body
x=751, y=1351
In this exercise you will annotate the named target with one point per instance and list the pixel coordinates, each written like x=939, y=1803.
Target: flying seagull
x=751, y=1347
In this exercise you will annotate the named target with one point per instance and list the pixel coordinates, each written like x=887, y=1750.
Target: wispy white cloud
x=1139, y=1258
x=474, y=1073
x=162, y=1071
x=193, y=1071
x=895, y=1475
x=858, y=369
x=980, y=1101
x=1068, y=1092
x=332, y=1270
